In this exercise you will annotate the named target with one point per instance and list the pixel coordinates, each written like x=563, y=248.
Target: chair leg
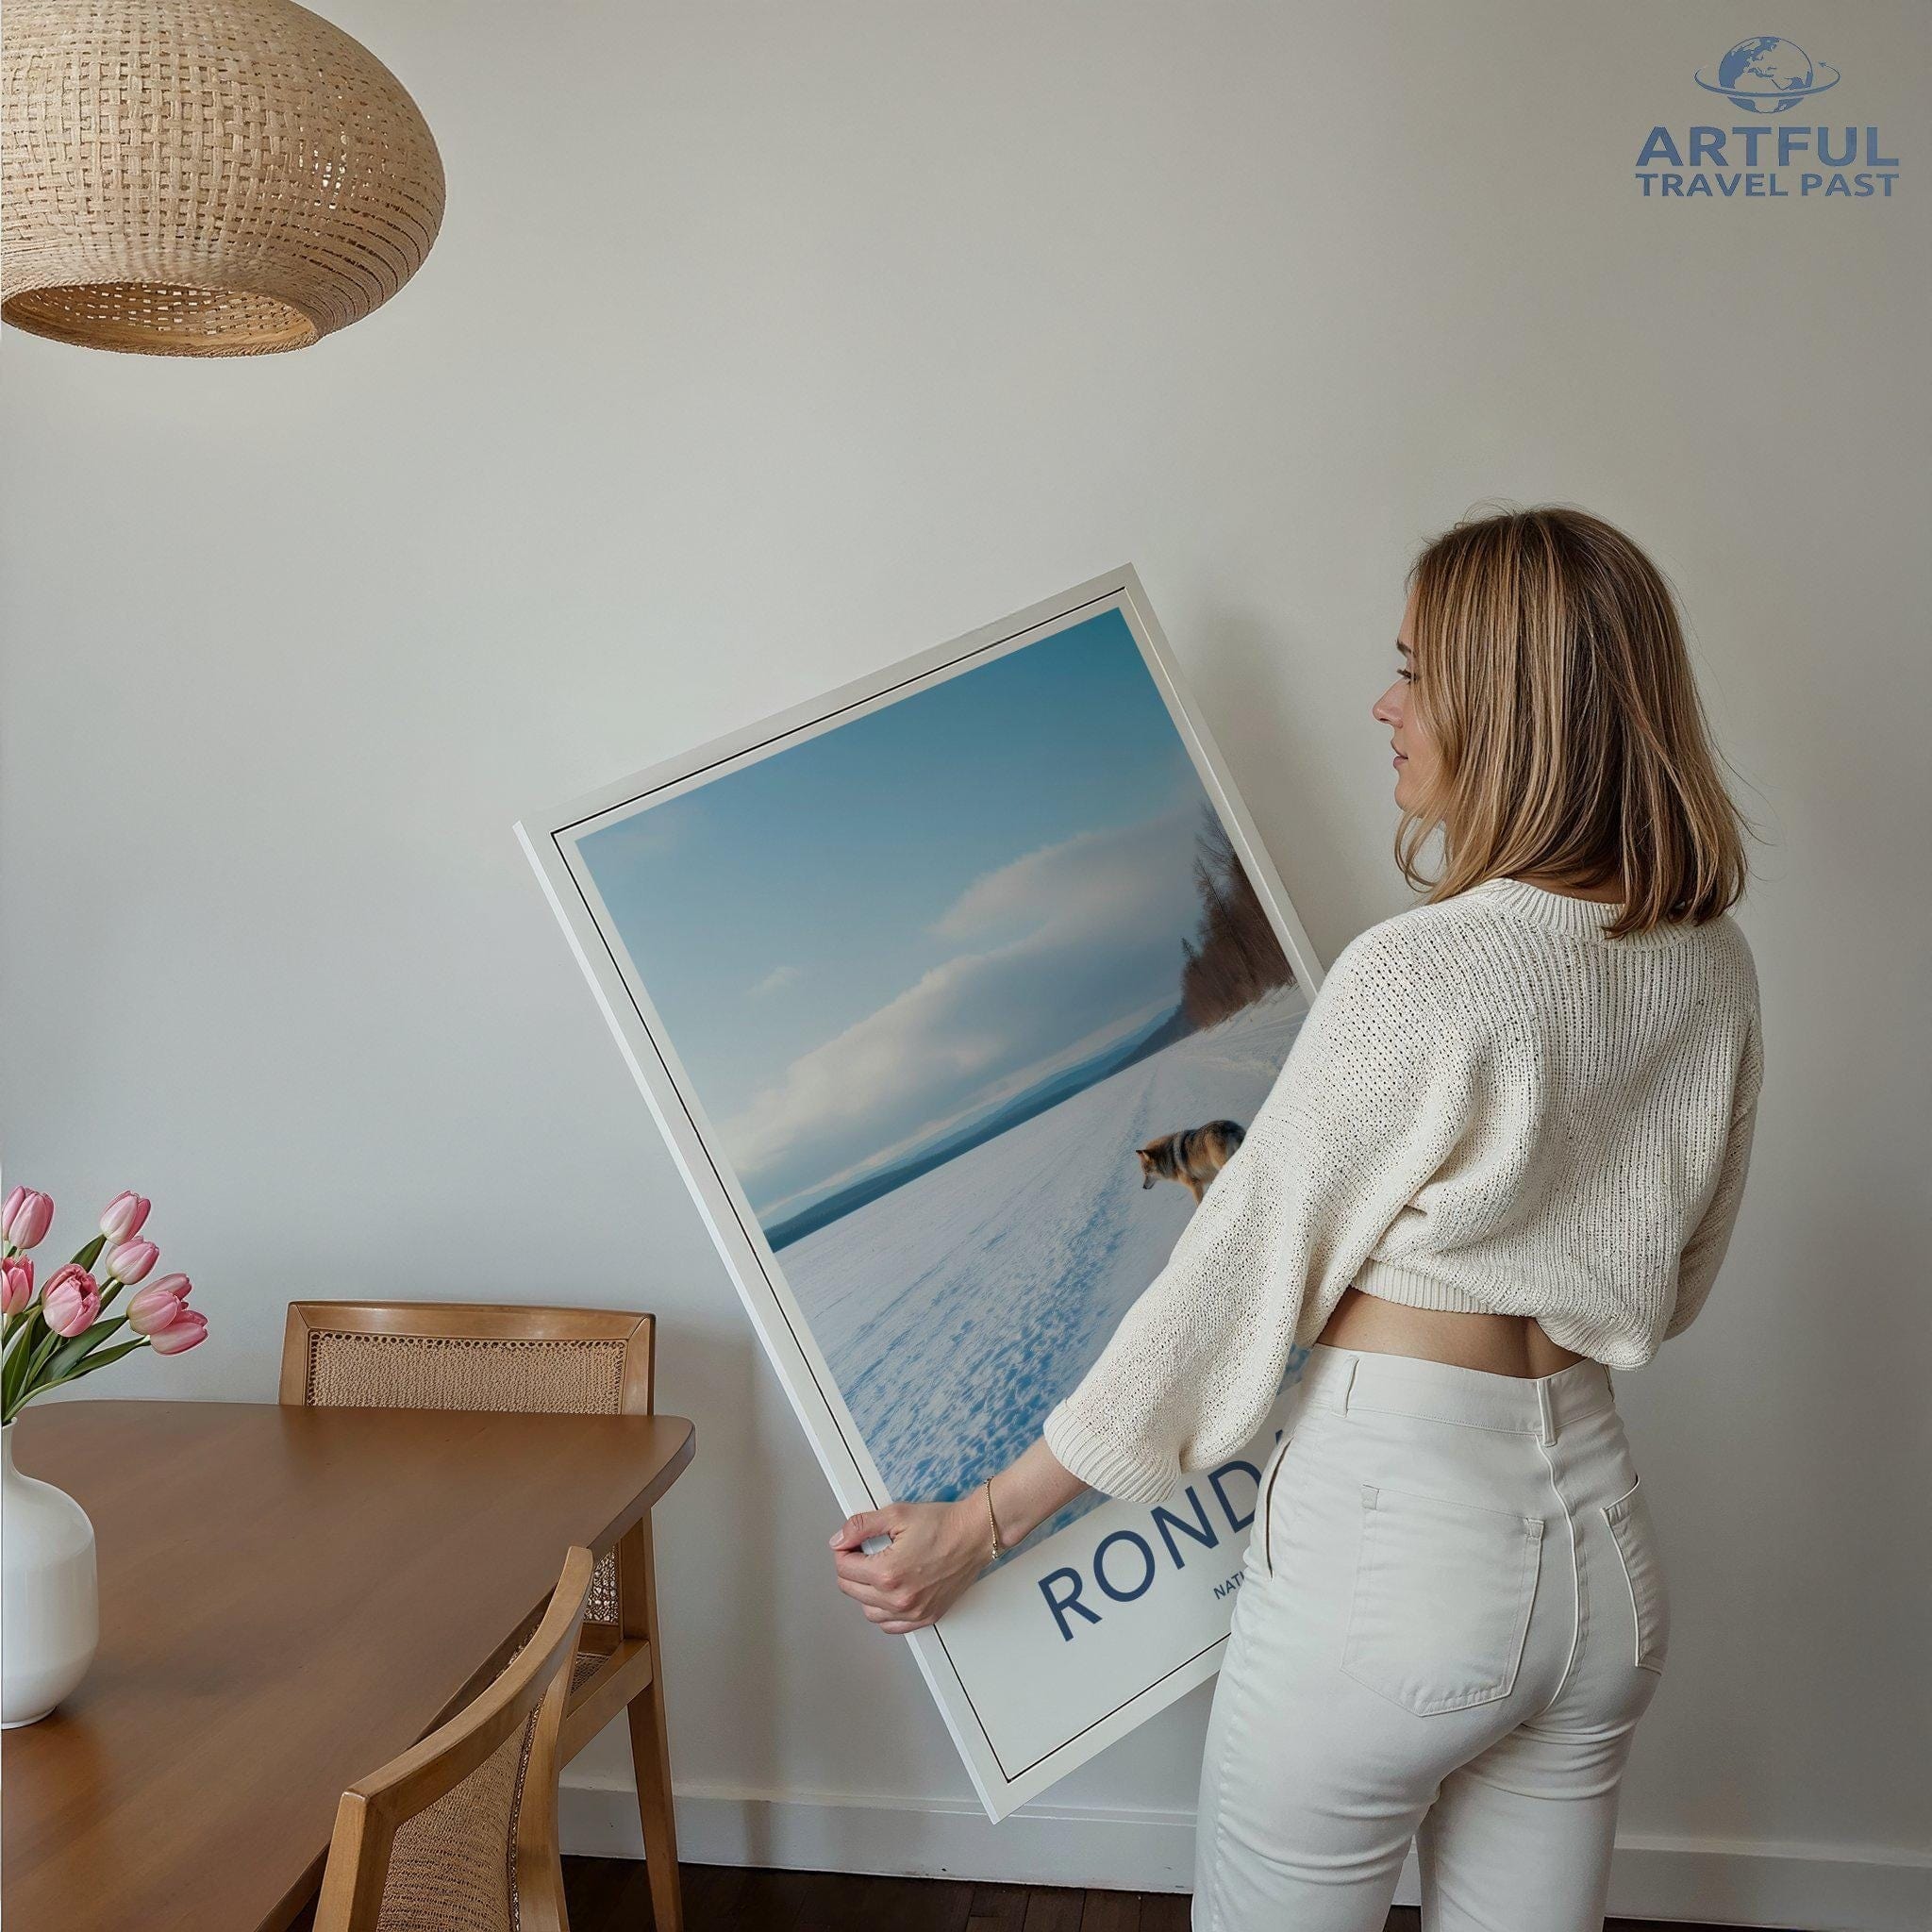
x=650, y=1747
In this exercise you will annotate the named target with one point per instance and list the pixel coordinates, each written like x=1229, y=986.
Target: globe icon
x=1766, y=75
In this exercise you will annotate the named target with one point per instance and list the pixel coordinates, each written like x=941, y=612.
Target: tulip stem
x=18, y=1352
x=41, y=1351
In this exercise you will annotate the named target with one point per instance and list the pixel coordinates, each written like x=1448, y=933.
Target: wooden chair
x=533, y=1361
x=460, y=1830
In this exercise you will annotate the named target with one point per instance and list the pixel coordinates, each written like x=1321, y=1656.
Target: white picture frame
x=1022, y=1717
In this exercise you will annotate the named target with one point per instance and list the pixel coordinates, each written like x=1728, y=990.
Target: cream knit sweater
x=1489, y=1107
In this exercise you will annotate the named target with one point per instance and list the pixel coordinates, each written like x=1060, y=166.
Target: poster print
x=920, y=979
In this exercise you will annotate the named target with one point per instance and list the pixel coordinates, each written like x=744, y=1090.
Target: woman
x=1503, y=1158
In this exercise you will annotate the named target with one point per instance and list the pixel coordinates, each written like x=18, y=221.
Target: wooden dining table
x=289, y=1597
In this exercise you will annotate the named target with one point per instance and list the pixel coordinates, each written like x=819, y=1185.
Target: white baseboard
x=1801, y=1888
x=934, y=1837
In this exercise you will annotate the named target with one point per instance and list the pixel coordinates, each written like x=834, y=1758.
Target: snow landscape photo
x=958, y=1308
x=936, y=976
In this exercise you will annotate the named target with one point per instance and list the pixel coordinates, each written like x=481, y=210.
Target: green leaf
x=30, y=1374
x=19, y=1339
x=101, y=1360
x=78, y=1348
x=21, y=1353
x=91, y=1253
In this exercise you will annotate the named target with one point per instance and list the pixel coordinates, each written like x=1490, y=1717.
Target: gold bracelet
x=999, y=1549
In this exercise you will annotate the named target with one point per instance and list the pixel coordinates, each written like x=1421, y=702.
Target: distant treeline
x=1234, y=957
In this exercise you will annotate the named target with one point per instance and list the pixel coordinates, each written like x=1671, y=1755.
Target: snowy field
x=958, y=1309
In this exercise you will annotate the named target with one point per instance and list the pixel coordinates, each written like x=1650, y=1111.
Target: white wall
x=765, y=345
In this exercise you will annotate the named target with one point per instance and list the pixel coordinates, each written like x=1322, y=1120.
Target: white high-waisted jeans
x=1452, y=1615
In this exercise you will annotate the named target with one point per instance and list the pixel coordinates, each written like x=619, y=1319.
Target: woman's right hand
x=939, y=1548
x=936, y=1552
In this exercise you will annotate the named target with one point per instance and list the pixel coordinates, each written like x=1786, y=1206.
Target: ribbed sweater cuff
x=1395, y=1284
x=1575, y=1328
x=1103, y=1465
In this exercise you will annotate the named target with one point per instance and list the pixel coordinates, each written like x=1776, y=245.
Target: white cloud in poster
x=777, y=980
x=1061, y=945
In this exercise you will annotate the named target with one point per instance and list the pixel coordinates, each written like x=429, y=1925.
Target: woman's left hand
x=937, y=1550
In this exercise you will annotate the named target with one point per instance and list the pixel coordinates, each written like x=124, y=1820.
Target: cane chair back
x=459, y=1833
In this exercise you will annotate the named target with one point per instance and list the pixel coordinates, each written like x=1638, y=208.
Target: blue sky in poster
x=864, y=939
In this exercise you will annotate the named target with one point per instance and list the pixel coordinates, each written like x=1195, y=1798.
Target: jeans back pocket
x=1637, y=1550
x=1442, y=1602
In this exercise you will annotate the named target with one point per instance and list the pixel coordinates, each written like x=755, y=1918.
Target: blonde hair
x=1550, y=676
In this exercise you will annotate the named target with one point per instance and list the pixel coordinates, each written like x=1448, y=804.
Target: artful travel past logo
x=1767, y=76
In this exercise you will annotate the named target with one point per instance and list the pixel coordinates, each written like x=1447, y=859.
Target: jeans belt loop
x=1348, y=1382
x=1548, y=1408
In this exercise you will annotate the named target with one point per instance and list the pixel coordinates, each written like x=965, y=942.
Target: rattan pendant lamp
x=203, y=177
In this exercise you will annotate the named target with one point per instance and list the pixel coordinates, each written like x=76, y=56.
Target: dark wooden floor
x=609, y=1895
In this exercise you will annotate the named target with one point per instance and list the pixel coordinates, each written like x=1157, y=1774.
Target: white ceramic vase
x=49, y=1604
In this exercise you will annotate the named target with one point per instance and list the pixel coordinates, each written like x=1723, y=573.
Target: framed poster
x=921, y=981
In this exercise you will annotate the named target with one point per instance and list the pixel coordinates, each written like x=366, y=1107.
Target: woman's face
x=1415, y=757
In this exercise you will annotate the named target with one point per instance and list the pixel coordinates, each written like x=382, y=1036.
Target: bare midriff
x=1498, y=1344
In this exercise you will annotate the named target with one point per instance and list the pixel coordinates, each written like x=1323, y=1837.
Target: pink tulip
x=69, y=1301
x=122, y=1218
x=180, y=1336
x=27, y=1217
x=177, y=1285
x=129, y=1262
x=155, y=1308
x=16, y=1284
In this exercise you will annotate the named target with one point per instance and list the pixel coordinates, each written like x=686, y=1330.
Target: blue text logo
x=1765, y=76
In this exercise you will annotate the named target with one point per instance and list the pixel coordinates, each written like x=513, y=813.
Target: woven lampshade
x=203, y=177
